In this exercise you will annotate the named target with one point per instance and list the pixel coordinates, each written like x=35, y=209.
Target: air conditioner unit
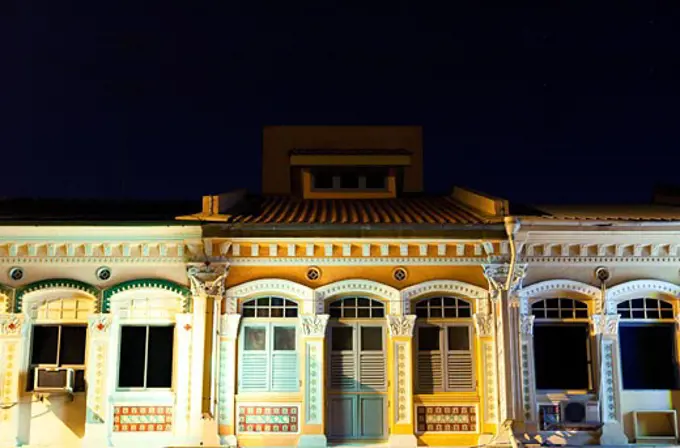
x=579, y=412
x=57, y=379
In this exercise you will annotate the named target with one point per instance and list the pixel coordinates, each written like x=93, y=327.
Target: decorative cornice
x=356, y=286
x=609, y=261
x=54, y=283
x=314, y=326
x=401, y=325
x=147, y=283
x=354, y=261
x=625, y=290
x=483, y=324
x=94, y=260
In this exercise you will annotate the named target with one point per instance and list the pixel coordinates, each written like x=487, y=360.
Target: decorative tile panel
x=448, y=418
x=142, y=418
x=268, y=419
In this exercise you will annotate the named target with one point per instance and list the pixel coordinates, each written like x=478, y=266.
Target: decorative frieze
x=446, y=419
x=142, y=418
x=401, y=325
x=278, y=419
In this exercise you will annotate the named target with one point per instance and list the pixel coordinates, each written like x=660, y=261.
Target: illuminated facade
x=342, y=305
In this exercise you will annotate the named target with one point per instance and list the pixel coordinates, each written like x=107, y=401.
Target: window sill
x=163, y=397
x=275, y=397
x=561, y=395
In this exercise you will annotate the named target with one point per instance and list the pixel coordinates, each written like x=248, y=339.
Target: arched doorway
x=357, y=373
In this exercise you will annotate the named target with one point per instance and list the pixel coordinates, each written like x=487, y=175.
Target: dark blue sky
x=167, y=99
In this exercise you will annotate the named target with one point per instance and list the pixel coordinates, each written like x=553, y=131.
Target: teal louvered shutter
x=284, y=359
x=372, y=362
x=343, y=368
x=254, y=369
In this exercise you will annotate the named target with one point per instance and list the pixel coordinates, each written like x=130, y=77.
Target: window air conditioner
x=579, y=412
x=53, y=379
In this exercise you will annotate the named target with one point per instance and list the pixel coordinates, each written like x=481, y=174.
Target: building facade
x=340, y=306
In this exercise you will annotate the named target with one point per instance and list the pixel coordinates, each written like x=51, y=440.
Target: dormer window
x=349, y=179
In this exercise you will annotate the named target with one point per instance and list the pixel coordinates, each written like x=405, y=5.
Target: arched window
x=268, y=359
x=561, y=331
x=444, y=345
x=356, y=308
x=270, y=307
x=560, y=309
x=645, y=309
x=443, y=307
x=647, y=344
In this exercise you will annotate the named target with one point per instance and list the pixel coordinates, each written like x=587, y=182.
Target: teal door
x=357, y=399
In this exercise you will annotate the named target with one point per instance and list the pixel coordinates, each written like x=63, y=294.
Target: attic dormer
x=334, y=162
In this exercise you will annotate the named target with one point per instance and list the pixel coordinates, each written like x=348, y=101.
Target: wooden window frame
x=75, y=367
x=645, y=310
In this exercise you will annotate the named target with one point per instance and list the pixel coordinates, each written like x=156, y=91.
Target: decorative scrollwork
x=401, y=325
x=314, y=326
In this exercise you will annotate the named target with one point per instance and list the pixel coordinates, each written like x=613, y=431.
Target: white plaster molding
x=445, y=287
x=33, y=299
x=11, y=324
x=497, y=275
x=314, y=326
x=557, y=288
x=297, y=292
x=380, y=291
x=160, y=303
x=208, y=280
x=636, y=288
x=331, y=260
x=401, y=325
x=483, y=324
x=526, y=325
x=605, y=324
x=99, y=325
x=229, y=325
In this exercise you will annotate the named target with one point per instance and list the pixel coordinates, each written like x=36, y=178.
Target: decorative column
x=605, y=328
x=98, y=336
x=13, y=332
x=207, y=289
x=314, y=367
x=401, y=413
x=526, y=340
x=485, y=330
x=227, y=379
x=183, y=363
x=506, y=335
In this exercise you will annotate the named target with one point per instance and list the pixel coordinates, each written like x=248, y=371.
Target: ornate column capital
x=208, y=279
x=526, y=325
x=605, y=324
x=229, y=325
x=497, y=275
x=315, y=325
x=401, y=325
x=483, y=324
x=11, y=325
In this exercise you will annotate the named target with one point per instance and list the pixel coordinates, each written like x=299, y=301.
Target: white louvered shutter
x=254, y=365
x=372, y=362
x=459, y=362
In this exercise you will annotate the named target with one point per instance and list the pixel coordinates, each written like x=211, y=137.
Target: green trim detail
x=156, y=283
x=53, y=283
x=9, y=292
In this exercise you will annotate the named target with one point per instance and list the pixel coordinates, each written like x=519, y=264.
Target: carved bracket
x=208, y=279
x=605, y=324
x=483, y=324
x=497, y=276
x=314, y=326
x=401, y=325
x=99, y=324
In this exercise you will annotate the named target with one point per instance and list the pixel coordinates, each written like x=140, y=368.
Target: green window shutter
x=284, y=359
x=254, y=369
x=460, y=375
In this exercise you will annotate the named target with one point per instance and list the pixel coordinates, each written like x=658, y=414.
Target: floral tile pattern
x=270, y=419
x=446, y=418
x=142, y=418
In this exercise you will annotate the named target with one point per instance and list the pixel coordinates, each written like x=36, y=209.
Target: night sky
x=168, y=99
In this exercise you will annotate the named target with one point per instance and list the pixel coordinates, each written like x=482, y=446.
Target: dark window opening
x=59, y=346
x=443, y=307
x=459, y=338
x=371, y=339
x=356, y=307
x=562, y=356
x=560, y=309
x=648, y=357
x=428, y=339
x=645, y=309
x=350, y=178
x=342, y=339
x=146, y=357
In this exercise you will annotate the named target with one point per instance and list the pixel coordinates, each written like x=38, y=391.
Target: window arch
x=269, y=307
x=443, y=307
x=560, y=309
x=645, y=308
x=356, y=308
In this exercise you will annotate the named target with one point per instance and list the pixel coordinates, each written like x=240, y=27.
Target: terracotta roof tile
x=405, y=210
